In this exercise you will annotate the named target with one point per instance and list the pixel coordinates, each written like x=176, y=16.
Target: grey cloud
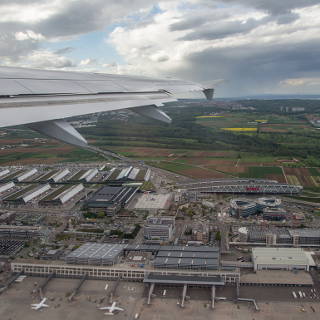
x=64, y=50
x=275, y=7
x=287, y=18
x=79, y=17
x=223, y=29
x=254, y=68
x=187, y=24
x=198, y=18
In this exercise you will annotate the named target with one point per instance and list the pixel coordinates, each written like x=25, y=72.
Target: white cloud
x=88, y=61
x=29, y=35
x=29, y=12
x=46, y=59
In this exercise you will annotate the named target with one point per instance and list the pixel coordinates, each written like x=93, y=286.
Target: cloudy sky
x=242, y=46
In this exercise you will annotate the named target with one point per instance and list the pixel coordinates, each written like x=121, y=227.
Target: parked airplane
x=37, y=306
x=42, y=99
x=111, y=309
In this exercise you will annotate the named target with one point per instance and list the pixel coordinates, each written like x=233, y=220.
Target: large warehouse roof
x=280, y=256
x=95, y=253
x=111, y=195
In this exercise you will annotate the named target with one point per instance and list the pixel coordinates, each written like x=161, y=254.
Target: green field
x=262, y=172
x=198, y=146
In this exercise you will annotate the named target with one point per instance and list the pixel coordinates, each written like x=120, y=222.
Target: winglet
x=209, y=93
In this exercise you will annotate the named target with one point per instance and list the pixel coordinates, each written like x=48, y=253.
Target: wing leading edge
x=42, y=99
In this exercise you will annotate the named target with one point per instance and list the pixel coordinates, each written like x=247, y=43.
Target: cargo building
x=6, y=186
x=26, y=175
x=25, y=195
x=61, y=195
x=281, y=259
x=110, y=199
x=96, y=254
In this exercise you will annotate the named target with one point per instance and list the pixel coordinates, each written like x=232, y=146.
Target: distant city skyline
x=243, y=47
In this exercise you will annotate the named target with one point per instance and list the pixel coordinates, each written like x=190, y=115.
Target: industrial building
x=20, y=232
x=207, y=258
x=13, y=175
x=153, y=203
x=179, y=257
x=110, y=199
x=4, y=172
x=275, y=214
x=281, y=259
x=244, y=186
x=25, y=195
x=25, y=175
x=58, y=176
x=277, y=236
x=85, y=175
x=6, y=186
x=61, y=195
x=90, y=174
x=129, y=174
x=96, y=254
x=159, y=228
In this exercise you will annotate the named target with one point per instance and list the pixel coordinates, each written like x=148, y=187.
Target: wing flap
x=36, y=86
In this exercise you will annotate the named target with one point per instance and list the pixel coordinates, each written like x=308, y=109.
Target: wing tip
x=209, y=92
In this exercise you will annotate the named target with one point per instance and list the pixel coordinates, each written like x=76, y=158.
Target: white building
x=4, y=172
x=281, y=259
x=6, y=186
x=27, y=174
x=35, y=193
x=90, y=174
x=60, y=175
x=69, y=193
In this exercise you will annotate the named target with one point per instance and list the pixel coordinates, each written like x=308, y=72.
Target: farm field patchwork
x=301, y=175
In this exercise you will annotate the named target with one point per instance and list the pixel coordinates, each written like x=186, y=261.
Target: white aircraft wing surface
x=42, y=99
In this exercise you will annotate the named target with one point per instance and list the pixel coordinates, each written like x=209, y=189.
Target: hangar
x=281, y=259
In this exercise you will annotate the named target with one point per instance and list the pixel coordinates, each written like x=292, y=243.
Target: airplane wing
x=118, y=309
x=105, y=308
x=35, y=307
x=42, y=99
